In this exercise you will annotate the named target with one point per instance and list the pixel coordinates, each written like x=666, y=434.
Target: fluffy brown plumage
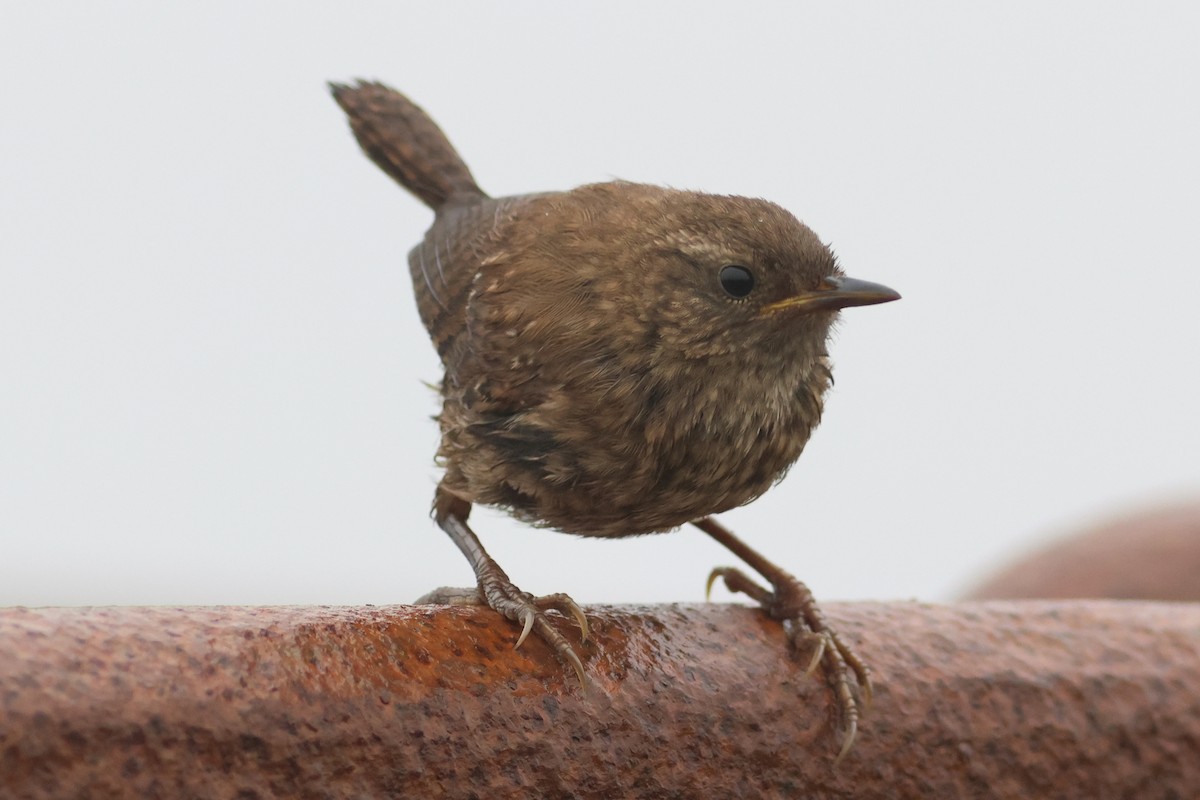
x=620, y=358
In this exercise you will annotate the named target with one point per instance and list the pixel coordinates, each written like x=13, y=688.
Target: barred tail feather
x=405, y=143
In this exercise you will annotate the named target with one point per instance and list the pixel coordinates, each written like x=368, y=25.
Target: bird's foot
x=792, y=603
x=523, y=608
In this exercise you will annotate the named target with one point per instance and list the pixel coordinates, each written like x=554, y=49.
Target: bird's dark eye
x=736, y=281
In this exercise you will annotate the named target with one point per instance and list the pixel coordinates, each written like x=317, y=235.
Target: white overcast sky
x=211, y=365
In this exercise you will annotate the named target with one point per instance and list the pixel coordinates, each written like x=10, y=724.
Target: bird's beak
x=838, y=292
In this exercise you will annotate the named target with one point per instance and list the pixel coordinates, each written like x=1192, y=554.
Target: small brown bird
x=620, y=359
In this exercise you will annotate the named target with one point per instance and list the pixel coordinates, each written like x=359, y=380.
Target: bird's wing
x=458, y=247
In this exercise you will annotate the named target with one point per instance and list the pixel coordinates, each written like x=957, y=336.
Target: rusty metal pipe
x=999, y=699
x=1151, y=554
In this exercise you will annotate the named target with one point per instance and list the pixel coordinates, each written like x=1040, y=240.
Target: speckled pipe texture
x=998, y=699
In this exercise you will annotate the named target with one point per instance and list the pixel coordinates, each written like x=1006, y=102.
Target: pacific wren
x=620, y=359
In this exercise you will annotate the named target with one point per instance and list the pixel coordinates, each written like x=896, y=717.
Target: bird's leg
x=791, y=602
x=496, y=591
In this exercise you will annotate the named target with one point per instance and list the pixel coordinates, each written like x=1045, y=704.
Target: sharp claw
x=868, y=691
x=527, y=617
x=578, y=665
x=847, y=743
x=712, y=578
x=817, y=655
x=564, y=605
x=577, y=612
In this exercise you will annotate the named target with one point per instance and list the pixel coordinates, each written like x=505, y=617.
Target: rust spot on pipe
x=997, y=699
